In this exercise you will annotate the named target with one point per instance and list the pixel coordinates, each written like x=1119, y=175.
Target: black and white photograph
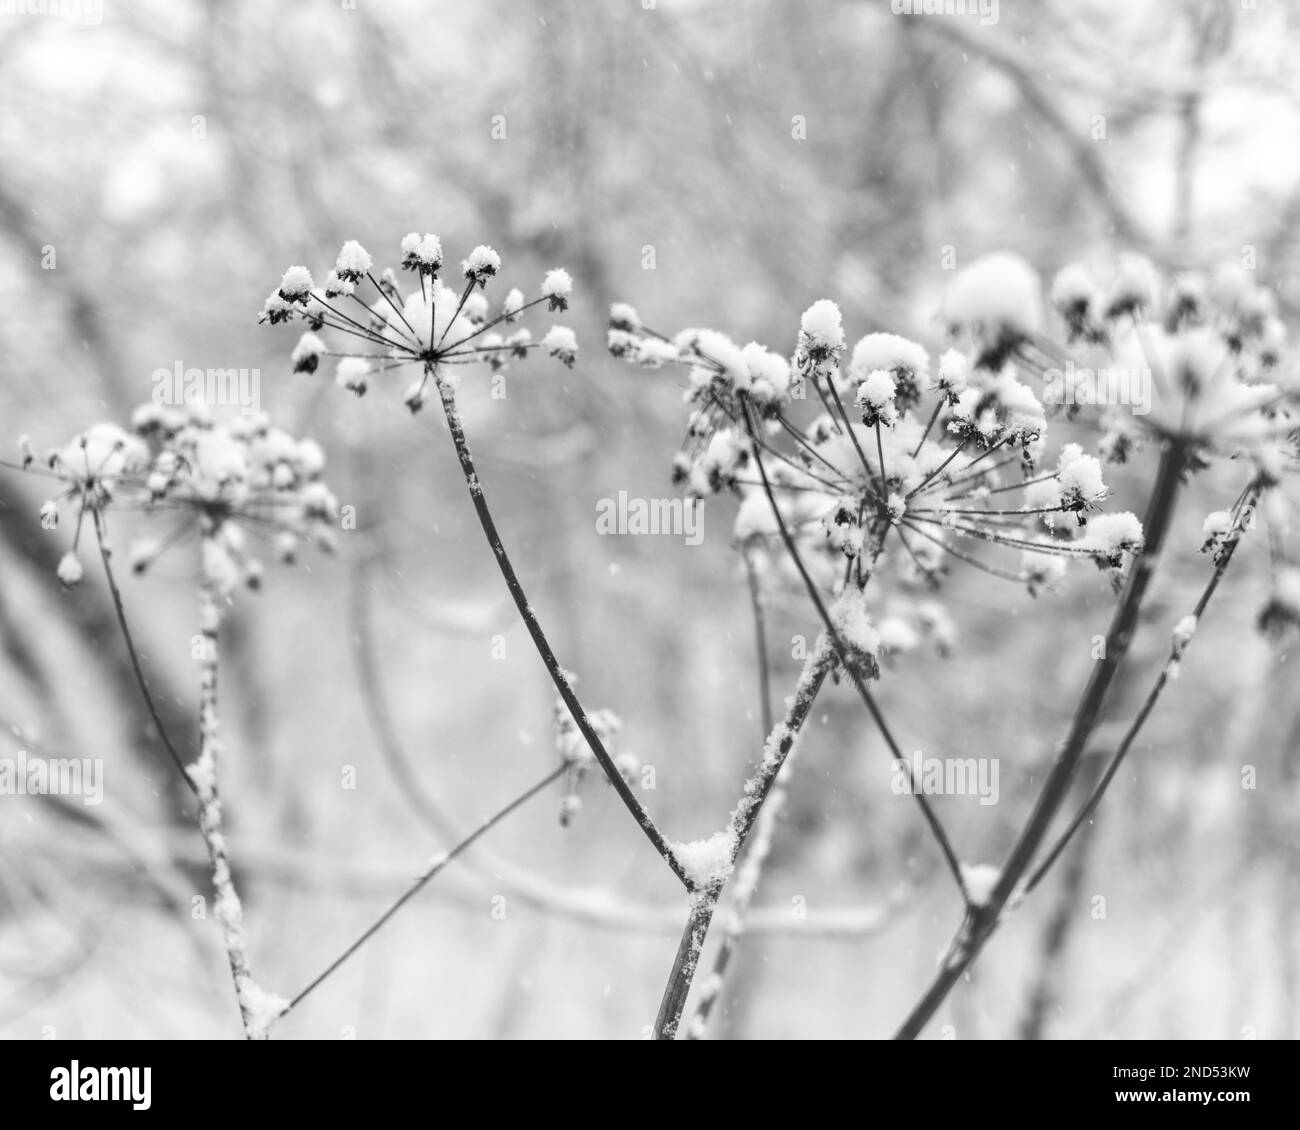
x=650, y=520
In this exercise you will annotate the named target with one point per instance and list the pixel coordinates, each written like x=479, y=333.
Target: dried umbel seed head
x=186, y=465
x=433, y=327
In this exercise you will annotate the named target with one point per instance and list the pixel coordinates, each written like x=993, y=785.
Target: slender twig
x=980, y=922
x=760, y=642
x=105, y=553
x=868, y=700
x=553, y=668
x=420, y=883
x=409, y=784
x=1176, y=650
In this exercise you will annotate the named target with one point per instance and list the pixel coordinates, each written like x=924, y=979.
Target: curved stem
x=410, y=787
x=980, y=922
x=553, y=668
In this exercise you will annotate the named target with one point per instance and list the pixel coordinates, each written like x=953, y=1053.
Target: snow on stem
x=257, y=1008
x=704, y=900
x=448, y=396
x=740, y=894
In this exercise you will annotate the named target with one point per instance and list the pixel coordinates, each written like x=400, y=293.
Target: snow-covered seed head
x=482, y=264
x=1075, y=297
x=561, y=343
x=1135, y=289
x=276, y=309
x=1080, y=482
x=514, y=302
x=296, y=286
x=998, y=300
x=822, y=331
x=307, y=353
x=1110, y=536
x=556, y=288
x=353, y=263
x=353, y=374
x=415, y=396
x=876, y=398
x=623, y=316
x=951, y=381
x=143, y=552
x=421, y=253
x=1281, y=611
x=336, y=287
x=70, y=571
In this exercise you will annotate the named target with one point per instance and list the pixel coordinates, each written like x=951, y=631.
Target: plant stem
x=1135, y=728
x=410, y=787
x=684, y=965
x=756, y=791
x=760, y=644
x=553, y=668
x=980, y=921
x=423, y=880
x=832, y=633
x=105, y=554
x=227, y=907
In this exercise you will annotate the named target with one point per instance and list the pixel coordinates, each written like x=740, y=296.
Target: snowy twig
x=741, y=893
x=257, y=1008
x=553, y=668
x=980, y=921
x=756, y=792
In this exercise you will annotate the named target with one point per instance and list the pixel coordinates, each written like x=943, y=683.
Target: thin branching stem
x=1130, y=735
x=420, y=883
x=980, y=922
x=535, y=631
x=868, y=700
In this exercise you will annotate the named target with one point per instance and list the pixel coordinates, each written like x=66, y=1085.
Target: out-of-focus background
x=714, y=164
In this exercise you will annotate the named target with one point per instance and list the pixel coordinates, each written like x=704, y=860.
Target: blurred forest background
x=714, y=164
